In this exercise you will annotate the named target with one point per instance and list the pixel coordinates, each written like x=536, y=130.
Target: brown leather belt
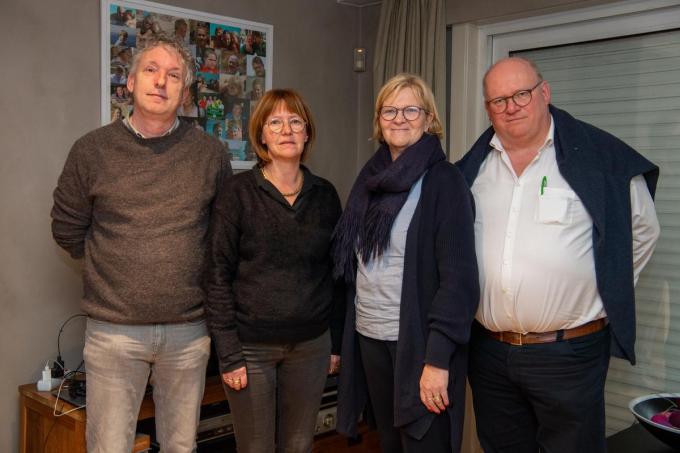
x=519, y=339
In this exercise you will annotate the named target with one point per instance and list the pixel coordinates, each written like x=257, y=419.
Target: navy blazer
x=599, y=168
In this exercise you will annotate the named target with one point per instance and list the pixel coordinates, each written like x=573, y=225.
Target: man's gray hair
x=161, y=41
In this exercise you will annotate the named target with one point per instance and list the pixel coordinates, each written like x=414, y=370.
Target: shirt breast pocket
x=555, y=206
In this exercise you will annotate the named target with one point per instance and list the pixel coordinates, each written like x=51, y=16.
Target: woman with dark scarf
x=405, y=247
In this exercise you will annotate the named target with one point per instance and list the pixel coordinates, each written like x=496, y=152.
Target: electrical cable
x=47, y=437
x=61, y=329
x=57, y=412
x=61, y=385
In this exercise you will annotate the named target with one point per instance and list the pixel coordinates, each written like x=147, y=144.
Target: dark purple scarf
x=379, y=192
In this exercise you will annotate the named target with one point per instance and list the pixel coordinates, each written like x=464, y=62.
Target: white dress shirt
x=535, y=254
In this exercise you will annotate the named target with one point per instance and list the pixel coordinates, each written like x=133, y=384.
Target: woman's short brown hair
x=421, y=91
x=265, y=106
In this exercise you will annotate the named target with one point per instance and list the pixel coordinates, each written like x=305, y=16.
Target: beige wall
x=50, y=96
x=368, y=18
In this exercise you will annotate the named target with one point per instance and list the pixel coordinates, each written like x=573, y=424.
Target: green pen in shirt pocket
x=544, y=184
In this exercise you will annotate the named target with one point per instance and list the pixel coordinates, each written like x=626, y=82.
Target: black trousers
x=541, y=397
x=378, y=358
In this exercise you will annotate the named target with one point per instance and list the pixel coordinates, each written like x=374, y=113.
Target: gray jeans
x=277, y=411
x=118, y=361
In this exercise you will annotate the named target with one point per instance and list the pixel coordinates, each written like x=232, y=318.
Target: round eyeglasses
x=521, y=98
x=295, y=124
x=410, y=112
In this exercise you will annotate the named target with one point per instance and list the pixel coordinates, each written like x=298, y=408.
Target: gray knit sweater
x=137, y=210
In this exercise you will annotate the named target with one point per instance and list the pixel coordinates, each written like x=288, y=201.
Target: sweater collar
x=133, y=129
x=310, y=180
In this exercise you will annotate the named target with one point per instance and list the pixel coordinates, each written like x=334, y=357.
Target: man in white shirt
x=565, y=223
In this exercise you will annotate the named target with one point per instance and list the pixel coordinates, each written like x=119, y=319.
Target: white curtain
x=412, y=38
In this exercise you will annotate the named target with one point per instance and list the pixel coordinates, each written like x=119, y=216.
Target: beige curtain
x=412, y=38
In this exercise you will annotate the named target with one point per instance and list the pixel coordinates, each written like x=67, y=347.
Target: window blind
x=630, y=87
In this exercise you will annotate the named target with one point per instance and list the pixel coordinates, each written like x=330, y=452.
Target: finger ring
x=437, y=399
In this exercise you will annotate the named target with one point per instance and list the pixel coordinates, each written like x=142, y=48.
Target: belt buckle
x=519, y=335
x=512, y=340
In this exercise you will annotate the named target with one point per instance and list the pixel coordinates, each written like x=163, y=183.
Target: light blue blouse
x=379, y=281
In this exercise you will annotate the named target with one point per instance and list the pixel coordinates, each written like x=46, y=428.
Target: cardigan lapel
x=471, y=162
x=575, y=159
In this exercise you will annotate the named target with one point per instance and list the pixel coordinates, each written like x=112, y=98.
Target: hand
x=334, y=366
x=434, y=384
x=237, y=379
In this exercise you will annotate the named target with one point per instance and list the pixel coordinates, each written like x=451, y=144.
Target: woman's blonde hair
x=421, y=91
x=265, y=106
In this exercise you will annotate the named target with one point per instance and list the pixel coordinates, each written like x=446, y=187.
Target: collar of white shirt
x=549, y=139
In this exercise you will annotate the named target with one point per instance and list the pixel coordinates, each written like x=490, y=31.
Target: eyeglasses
x=521, y=98
x=411, y=112
x=295, y=124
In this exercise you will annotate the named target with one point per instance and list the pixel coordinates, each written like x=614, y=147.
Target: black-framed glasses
x=521, y=98
x=410, y=112
x=295, y=124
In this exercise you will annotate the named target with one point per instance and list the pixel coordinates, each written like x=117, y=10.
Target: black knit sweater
x=269, y=270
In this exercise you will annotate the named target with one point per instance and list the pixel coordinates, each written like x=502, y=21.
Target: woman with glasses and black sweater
x=274, y=310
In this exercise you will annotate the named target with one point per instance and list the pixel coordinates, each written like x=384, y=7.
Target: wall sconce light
x=359, y=59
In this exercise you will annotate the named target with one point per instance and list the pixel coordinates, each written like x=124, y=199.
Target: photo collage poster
x=230, y=69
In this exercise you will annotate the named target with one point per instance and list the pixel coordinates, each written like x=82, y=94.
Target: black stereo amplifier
x=215, y=431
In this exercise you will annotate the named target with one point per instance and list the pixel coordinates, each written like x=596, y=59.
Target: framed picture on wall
x=233, y=66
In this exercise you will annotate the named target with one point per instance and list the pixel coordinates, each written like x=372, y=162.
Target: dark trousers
x=378, y=359
x=541, y=397
x=277, y=411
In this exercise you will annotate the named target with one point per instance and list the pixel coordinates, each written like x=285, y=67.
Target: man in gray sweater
x=134, y=201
